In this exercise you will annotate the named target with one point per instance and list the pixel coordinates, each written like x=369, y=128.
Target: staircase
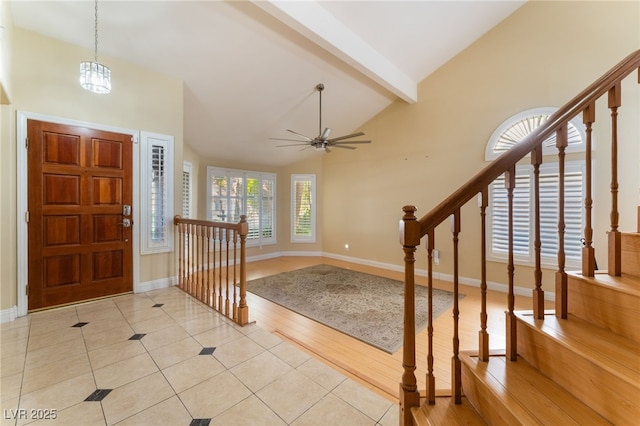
x=576, y=365
x=583, y=370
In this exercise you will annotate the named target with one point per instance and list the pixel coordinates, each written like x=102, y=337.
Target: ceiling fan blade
x=295, y=144
x=347, y=142
x=352, y=135
x=285, y=139
x=343, y=146
x=301, y=135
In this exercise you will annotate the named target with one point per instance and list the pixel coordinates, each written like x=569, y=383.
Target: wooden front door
x=79, y=182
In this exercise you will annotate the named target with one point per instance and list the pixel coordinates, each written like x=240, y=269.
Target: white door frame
x=22, y=196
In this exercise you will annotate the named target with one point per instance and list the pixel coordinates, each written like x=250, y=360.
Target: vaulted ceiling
x=250, y=67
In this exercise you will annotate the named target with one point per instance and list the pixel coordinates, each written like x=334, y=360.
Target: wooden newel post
x=243, y=309
x=410, y=239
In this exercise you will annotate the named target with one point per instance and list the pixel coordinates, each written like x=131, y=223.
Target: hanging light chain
x=95, y=52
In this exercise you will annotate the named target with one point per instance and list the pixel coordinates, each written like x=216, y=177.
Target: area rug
x=366, y=307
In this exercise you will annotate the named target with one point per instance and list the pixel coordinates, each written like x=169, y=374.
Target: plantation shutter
x=573, y=209
x=186, y=194
x=500, y=215
x=267, y=208
x=158, y=193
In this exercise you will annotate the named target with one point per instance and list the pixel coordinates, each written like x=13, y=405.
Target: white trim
x=299, y=238
x=147, y=140
x=8, y=315
x=22, y=195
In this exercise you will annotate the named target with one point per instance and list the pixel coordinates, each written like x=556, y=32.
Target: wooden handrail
x=563, y=115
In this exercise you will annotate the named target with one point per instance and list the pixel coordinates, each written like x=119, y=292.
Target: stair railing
x=211, y=259
x=412, y=230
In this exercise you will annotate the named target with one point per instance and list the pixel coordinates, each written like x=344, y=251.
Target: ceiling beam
x=318, y=25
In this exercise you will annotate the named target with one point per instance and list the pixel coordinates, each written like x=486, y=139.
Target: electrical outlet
x=436, y=256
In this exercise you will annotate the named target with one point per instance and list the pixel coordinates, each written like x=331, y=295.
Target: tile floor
x=163, y=358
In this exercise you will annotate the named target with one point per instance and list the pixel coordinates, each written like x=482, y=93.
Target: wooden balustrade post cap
x=409, y=211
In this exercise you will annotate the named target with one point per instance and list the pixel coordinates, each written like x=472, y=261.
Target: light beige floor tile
x=48, y=354
x=43, y=327
x=135, y=397
x=103, y=325
x=103, y=314
x=290, y=354
x=20, y=322
x=201, y=323
x=145, y=314
x=10, y=386
x=55, y=372
x=60, y=395
x=192, y=371
x=302, y=392
x=73, y=335
x=155, y=323
x=370, y=403
x=115, y=335
x=12, y=365
x=117, y=352
x=213, y=396
x=265, y=339
x=54, y=315
x=14, y=333
x=244, y=329
x=164, y=337
x=134, y=302
x=391, y=417
x=10, y=412
x=95, y=306
x=237, y=351
x=250, y=411
x=125, y=371
x=82, y=414
x=168, y=412
x=331, y=410
x=176, y=352
x=261, y=370
x=322, y=374
x=217, y=336
x=11, y=348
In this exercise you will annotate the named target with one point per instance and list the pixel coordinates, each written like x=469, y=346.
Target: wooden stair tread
x=628, y=284
x=446, y=412
x=617, y=354
x=531, y=396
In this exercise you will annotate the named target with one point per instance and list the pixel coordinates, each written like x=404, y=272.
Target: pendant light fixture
x=94, y=76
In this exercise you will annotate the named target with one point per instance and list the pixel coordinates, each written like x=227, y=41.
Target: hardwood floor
x=374, y=368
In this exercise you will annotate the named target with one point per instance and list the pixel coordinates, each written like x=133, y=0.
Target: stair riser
x=630, y=245
x=607, y=308
x=486, y=403
x=580, y=376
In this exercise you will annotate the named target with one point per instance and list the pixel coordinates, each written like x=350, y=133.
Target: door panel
x=78, y=181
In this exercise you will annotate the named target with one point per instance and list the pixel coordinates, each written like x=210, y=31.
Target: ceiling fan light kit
x=322, y=141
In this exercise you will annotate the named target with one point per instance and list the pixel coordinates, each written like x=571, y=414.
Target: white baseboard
x=156, y=284
x=8, y=315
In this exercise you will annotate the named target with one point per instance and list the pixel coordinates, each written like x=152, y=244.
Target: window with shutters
x=232, y=193
x=303, y=208
x=156, y=189
x=511, y=132
x=186, y=189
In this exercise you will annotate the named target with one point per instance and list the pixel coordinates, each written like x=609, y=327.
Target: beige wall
x=44, y=75
x=542, y=55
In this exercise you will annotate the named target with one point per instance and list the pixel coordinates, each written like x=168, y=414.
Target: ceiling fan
x=322, y=141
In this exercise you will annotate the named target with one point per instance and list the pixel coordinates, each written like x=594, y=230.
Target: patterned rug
x=364, y=306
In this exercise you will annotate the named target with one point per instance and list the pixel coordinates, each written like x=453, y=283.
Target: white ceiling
x=250, y=68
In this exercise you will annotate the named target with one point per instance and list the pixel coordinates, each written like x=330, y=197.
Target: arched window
x=512, y=131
